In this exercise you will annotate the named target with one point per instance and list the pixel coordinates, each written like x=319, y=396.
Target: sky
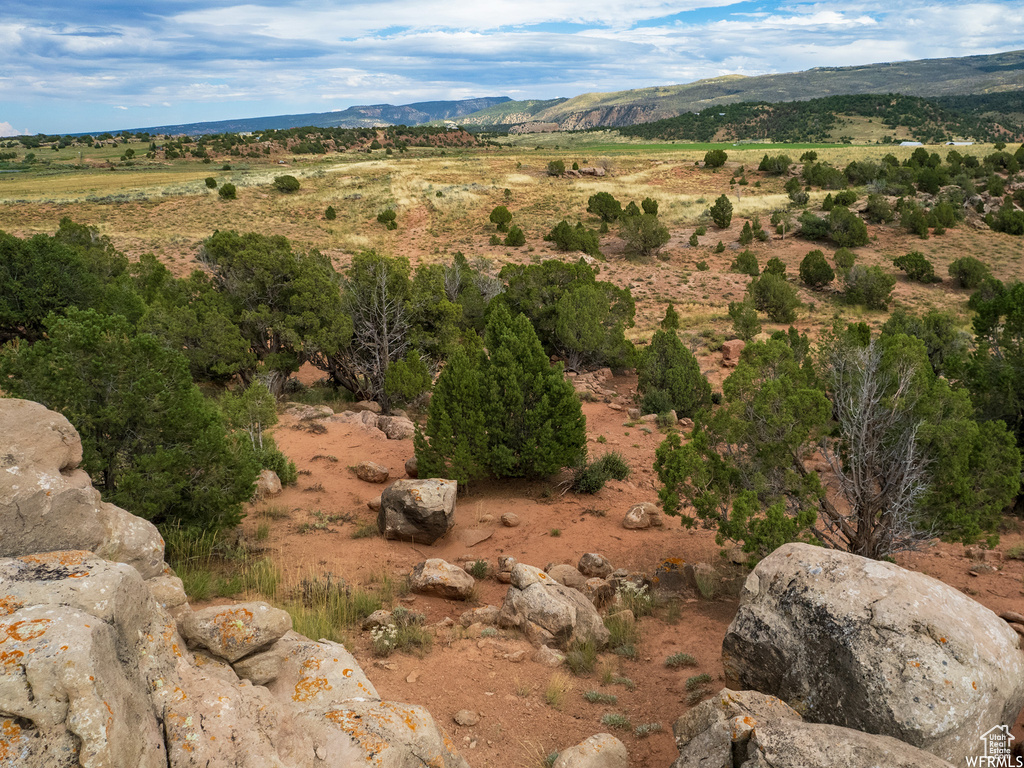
x=96, y=65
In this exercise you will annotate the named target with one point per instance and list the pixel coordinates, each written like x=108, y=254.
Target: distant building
x=959, y=143
x=911, y=144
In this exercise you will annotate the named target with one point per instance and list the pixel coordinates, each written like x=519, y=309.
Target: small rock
x=524, y=575
x=377, y=619
x=412, y=468
x=374, y=503
x=639, y=516
x=413, y=676
x=593, y=564
x=371, y=472
x=467, y=718
x=268, y=484
x=510, y=520
x=233, y=631
x=517, y=656
x=367, y=405
x=548, y=656
x=567, y=575
x=633, y=413
x=396, y=427
x=1012, y=616
x=441, y=578
x=650, y=418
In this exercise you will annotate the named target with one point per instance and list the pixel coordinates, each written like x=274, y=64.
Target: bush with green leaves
x=917, y=267
x=569, y=238
x=407, y=378
x=649, y=206
x=715, y=158
x=694, y=242
x=775, y=266
x=745, y=323
x=870, y=286
x=286, y=183
x=846, y=229
x=746, y=234
x=845, y=198
x=211, y=183
x=330, y=214
x=515, y=238
x=968, y=272
x=844, y=259
x=591, y=476
x=720, y=248
x=879, y=211
x=604, y=205
x=745, y=263
x=151, y=442
x=500, y=218
x=556, y=168
x=227, y=191
x=914, y=220
x=721, y=212
x=702, y=266
x=815, y=270
x=774, y=296
x=775, y=165
x=667, y=366
x=644, y=235
x=388, y=218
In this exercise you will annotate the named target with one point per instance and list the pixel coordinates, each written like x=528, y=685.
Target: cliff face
x=614, y=117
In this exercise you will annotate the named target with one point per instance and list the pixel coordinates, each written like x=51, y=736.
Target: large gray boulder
x=602, y=750
x=868, y=645
x=438, y=577
x=746, y=729
x=234, y=631
x=417, y=511
x=552, y=614
x=48, y=504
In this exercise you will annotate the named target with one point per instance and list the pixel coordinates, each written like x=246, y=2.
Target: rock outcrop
x=548, y=612
x=418, y=511
x=746, y=729
x=868, y=645
x=94, y=672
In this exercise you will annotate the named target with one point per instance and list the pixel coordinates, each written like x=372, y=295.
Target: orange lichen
x=234, y=626
x=27, y=629
x=10, y=732
x=974, y=685
x=8, y=605
x=309, y=685
x=68, y=558
x=10, y=658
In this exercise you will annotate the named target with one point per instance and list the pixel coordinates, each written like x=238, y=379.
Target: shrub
x=604, y=205
x=715, y=158
x=286, y=184
x=677, y=660
x=812, y=227
x=745, y=263
x=515, y=237
x=869, y=286
x=775, y=297
x=581, y=657
x=879, y=211
x=745, y=322
x=667, y=365
x=643, y=234
x=227, y=191
x=914, y=221
x=701, y=231
x=388, y=217
x=211, y=183
x=591, y=477
x=649, y=205
x=702, y=266
x=746, y=234
x=917, y=267
x=500, y=217
x=694, y=242
x=844, y=259
x=815, y=271
x=775, y=266
x=569, y=238
x=556, y=168
x=721, y=212
x=846, y=197
x=968, y=272
x=330, y=214
x=775, y=166
x=846, y=229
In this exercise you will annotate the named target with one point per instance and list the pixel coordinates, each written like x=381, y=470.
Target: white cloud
x=6, y=129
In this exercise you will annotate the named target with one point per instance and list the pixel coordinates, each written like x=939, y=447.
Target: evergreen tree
x=669, y=375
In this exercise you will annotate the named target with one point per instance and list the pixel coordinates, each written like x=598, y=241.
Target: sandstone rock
x=435, y=576
x=466, y=717
x=548, y=656
x=601, y=750
x=368, y=405
x=731, y=351
x=234, y=631
x=309, y=412
x=567, y=575
x=377, y=619
x=412, y=467
x=167, y=591
x=552, y=614
x=396, y=427
x=487, y=614
x=599, y=591
x=510, y=520
x=418, y=511
x=372, y=472
x=633, y=413
x=367, y=419
x=643, y=515
x=686, y=425
x=316, y=675
x=908, y=656
x=215, y=667
x=592, y=564
x=47, y=504
x=524, y=575
x=374, y=503
x=268, y=484
x=746, y=729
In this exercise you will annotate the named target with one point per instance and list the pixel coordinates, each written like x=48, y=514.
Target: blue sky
x=91, y=66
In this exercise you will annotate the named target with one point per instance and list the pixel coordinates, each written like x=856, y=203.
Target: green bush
x=702, y=266
x=715, y=158
x=968, y=272
x=330, y=214
x=643, y=234
x=721, y=211
x=745, y=322
x=917, y=267
x=846, y=198
x=844, y=259
x=516, y=238
x=605, y=206
x=746, y=234
x=211, y=183
x=227, y=191
x=388, y=217
x=569, y=238
x=720, y=248
x=667, y=365
x=775, y=297
x=869, y=286
x=556, y=168
x=745, y=263
x=775, y=266
x=500, y=217
x=777, y=165
x=815, y=271
x=879, y=211
x=286, y=184
x=694, y=242
x=591, y=477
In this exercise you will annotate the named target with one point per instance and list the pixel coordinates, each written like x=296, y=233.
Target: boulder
x=510, y=520
x=314, y=676
x=643, y=515
x=731, y=351
x=567, y=575
x=599, y=591
x=746, y=729
x=412, y=467
x=418, y=511
x=396, y=427
x=487, y=614
x=908, y=656
x=552, y=614
x=47, y=504
x=268, y=484
x=601, y=750
x=592, y=564
x=524, y=575
x=372, y=472
x=435, y=576
x=234, y=631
